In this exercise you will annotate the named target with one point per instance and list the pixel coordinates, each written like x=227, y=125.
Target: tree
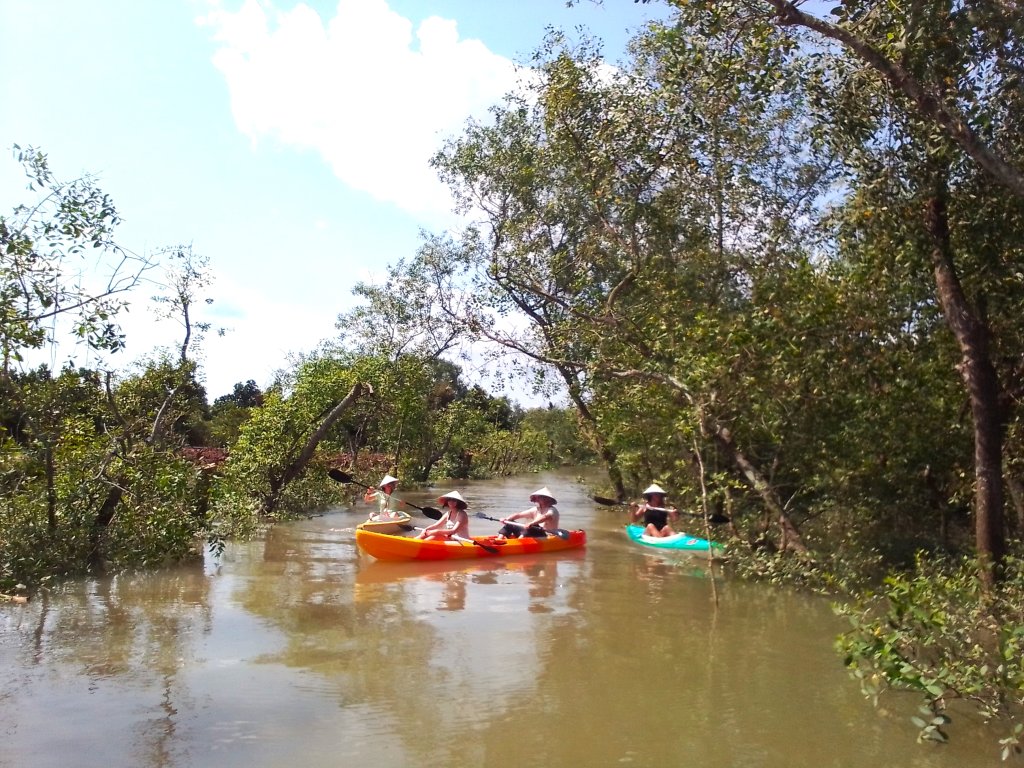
x=396, y=319
x=229, y=412
x=188, y=275
x=46, y=274
x=636, y=221
x=244, y=395
x=949, y=77
x=282, y=436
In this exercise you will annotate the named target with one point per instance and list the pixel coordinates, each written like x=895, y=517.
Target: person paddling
x=654, y=512
x=387, y=507
x=538, y=519
x=454, y=521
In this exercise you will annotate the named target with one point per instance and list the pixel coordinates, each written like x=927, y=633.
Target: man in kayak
x=453, y=523
x=537, y=520
x=386, y=506
x=654, y=512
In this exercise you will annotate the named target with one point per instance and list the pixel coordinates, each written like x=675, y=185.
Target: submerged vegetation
x=773, y=260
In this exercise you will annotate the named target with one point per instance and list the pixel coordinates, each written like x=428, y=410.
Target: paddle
x=716, y=518
x=343, y=477
x=560, y=533
x=464, y=540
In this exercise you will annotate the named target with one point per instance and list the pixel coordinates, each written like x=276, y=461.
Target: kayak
x=390, y=525
x=680, y=541
x=387, y=547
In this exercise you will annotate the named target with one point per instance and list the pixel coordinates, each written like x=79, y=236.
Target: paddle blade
x=433, y=514
x=608, y=502
x=336, y=474
x=492, y=550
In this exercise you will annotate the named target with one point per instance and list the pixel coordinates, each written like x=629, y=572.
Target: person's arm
x=639, y=512
x=438, y=525
x=542, y=518
x=518, y=515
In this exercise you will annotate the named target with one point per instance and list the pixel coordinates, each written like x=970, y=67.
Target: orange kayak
x=387, y=547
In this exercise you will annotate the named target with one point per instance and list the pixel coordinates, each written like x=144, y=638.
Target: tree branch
x=929, y=105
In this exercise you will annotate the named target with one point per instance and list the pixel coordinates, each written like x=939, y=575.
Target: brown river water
x=296, y=650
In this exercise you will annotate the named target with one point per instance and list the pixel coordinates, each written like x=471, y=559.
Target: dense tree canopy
x=774, y=259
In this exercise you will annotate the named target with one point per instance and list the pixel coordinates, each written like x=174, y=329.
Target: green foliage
x=934, y=631
x=225, y=423
x=166, y=401
x=243, y=395
x=90, y=474
x=84, y=486
x=71, y=221
x=276, y=432
x=557, y=430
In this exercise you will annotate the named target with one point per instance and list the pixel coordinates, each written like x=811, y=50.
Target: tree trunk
x=103, y=519
x=608, y=456
x=51, y=490
x=295, y=468
x=939, y=112
x=979, y=375
x=789, y=535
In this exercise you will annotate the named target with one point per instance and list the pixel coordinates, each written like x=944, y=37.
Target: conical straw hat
x=545, y=493
x=654, y=488
x=453, y=495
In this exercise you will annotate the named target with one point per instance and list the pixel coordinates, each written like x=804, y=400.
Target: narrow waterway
x=296, y=650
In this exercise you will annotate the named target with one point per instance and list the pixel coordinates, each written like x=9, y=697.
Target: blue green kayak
x=680, y=541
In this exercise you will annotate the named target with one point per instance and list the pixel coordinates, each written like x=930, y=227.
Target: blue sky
x=286, y=141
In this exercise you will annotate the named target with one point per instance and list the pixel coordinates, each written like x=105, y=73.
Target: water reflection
x=297, y=649
x=114, y=638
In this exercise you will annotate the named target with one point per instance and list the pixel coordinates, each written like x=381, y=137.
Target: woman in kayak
x=537, y=520
x=453, y=523
x=654, y=512
x=386, y=506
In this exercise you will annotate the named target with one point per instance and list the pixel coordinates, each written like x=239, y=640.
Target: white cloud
x=260, y=333
x=368, y=92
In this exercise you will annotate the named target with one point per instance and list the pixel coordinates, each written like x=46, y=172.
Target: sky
x=287, y=142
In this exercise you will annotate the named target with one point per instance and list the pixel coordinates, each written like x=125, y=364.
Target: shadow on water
x=298, y=649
